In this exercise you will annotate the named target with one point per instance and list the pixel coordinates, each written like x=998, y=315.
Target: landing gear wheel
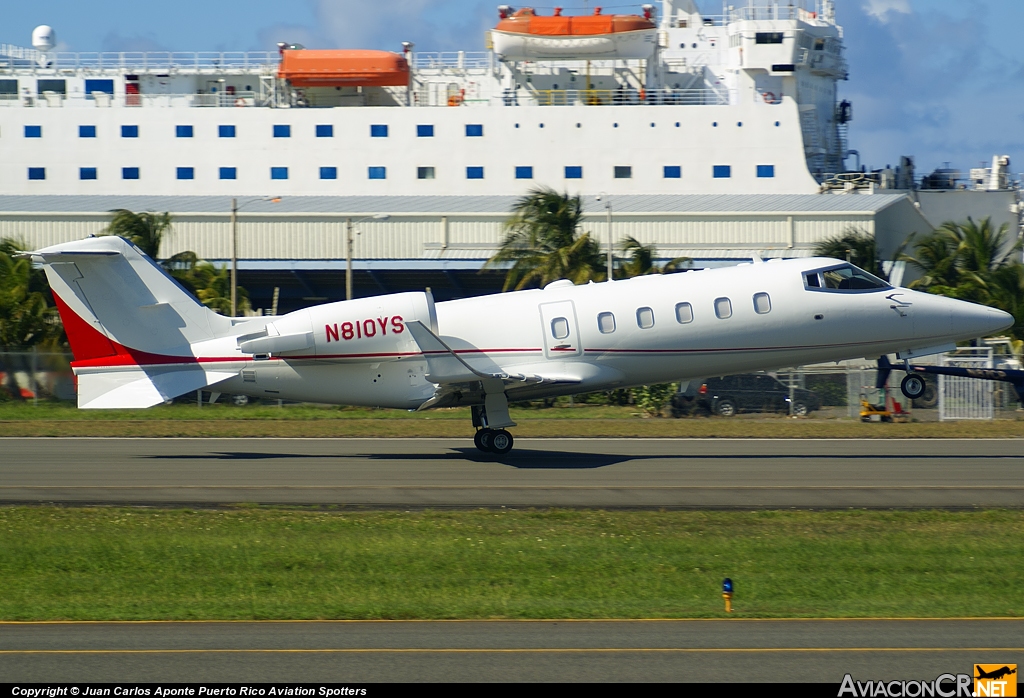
x=501, y=442
x=482, y=439
x=725, y=408
x=913, y=386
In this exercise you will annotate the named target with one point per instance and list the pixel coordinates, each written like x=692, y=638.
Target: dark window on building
x=58, y=86
x=673, y=171
x=130, y=131
x=87, y=173
x=226, y=131
x=424, y=173
x=766, y=171
x=129, y=173
x=328, y=173
x=525, y=172
x=425, y=130
x=623, y=172
x=378, y=130
x=186, y=173
x=573, y=172
x=378, y=173
x=474, y=173
x=474, y=129
x=282, y=131
x=105, y=86
x=325, y=131
x=183, y=131
x=8, y=89
x=33, y=132
x=767, y=38
x=37, y=173
x=86, y=131
x=722, y=171
x=228, y=173
x=279, y=173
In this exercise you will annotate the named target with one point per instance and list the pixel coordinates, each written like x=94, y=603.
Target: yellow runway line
x=531, y=650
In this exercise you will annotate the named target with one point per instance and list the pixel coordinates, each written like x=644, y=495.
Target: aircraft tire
x=913, y=386
x=482, y=439
x=725, y=408
x=501, y=442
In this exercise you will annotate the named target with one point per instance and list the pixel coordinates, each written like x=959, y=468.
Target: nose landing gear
x=913, y=386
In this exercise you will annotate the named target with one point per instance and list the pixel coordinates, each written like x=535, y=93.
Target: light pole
x=349, y=226
x=234, y=245
x=608, y=208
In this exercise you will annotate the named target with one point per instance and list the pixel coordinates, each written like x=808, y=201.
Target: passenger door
x=560, y=330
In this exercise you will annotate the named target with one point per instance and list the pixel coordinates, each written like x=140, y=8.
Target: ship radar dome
x=44, y=38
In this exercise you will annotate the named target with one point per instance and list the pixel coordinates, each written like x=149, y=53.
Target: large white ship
x=665, y=100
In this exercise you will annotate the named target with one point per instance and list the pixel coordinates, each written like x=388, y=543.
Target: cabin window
x=645, y=318
x=623, y=172
x=425, y=173
x=762, y=303
x=378, y=130
x=131, y=131
x=325, y=130
x=279, y=173
x=226, y=131
x=186, y=173
x=573, y=172
x=228, y=173
x=474, y=173
x=86, y=131
x=475, y=130
x=684, y=313
x=378, y=173
x=183, y=131
x=559, y=328
x=87, y=173
x=768, y=38
x=33, y=132
x=328, y=173
x=766, y=171
x=425, y=130
x=37, y=173
x=723, y=308
x=673, y=171
x=282, y=131
x=129, y=173
x=722, y=171
x=606, y=323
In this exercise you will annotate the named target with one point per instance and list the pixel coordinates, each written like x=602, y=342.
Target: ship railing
x=805, y=11
x=456, y=60
x=142, y=61
x=696, y=96
x=101, y=100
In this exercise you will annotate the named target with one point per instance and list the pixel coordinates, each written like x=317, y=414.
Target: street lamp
x=234, y=245
x=608, y=208
x=349, y=226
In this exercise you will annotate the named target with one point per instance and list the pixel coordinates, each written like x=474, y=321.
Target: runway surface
x=539, y=472
x=702, y=650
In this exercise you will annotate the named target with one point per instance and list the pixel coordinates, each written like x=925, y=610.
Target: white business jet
x=139, y=339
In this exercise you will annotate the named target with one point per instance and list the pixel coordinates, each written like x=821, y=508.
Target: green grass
x=251, y=562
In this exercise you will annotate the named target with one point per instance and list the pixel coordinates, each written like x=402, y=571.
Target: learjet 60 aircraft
x=138, y=338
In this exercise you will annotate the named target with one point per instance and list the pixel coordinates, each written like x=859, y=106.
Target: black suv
x=750, y=392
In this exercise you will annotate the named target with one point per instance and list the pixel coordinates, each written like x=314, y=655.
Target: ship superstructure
x=665, y=100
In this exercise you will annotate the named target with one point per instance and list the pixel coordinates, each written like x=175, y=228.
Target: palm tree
x=26, y=319
x=855, y=245
x=639, y=260
x=145, y=230
x=544, y=244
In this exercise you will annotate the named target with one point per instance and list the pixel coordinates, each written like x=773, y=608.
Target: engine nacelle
x=370, y=329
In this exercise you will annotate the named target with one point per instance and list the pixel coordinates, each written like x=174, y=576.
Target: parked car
x=750, y=392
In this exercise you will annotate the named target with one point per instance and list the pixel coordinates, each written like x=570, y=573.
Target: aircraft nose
x=970, y=320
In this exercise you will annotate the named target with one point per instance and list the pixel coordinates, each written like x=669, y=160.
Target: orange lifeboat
x=306, y=68
x=525, y=35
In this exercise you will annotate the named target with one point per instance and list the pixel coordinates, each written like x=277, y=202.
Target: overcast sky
x=942, y=80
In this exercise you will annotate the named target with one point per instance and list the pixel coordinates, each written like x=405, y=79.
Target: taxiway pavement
x=718, y=473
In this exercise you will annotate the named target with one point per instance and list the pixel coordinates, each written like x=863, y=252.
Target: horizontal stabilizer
x=138, y=387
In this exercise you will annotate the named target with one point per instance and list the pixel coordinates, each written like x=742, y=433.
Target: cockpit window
x=845, y=278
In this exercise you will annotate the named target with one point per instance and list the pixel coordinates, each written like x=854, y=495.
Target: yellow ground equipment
x=878, y=405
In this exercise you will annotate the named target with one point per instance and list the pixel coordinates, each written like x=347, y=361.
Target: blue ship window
x=424, y=173
x=425, y=130
x=573, y=172
x=279, y=173
x=378, y=130
x=186, y=173
x=86, y=131
x=91, y=86
x=33, y=132
x=129, y=173
x=475, y=130
x=524, y=173
x=282, y=131
x=37, y=173
x=722, y=171
x=183, y=131
x=129, y=132
x=328, y=173
x=228, y=172
x=474, y=173
x=378, y=173
x=226, y=131
x=673, y=171
x=87, y=173
x=766, y=170
x=623, y=172
x=325, y=131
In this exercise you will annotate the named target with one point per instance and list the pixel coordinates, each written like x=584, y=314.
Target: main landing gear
x=493, y=441
x=488, y=438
